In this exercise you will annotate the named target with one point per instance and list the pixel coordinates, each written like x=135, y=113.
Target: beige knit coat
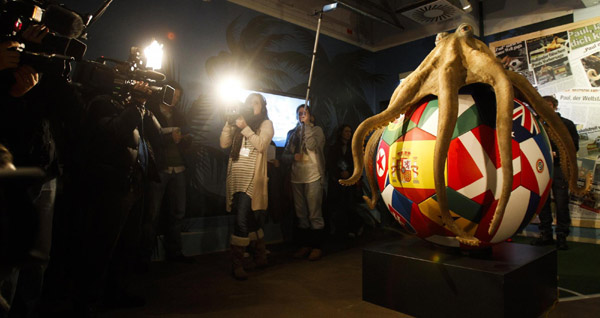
x=260, y=140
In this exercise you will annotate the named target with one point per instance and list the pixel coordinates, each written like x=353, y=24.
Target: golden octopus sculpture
x=459, y=60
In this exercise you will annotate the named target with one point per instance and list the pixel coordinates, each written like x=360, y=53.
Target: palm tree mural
x=337, y=94
x=253, y=54
x=338, y=85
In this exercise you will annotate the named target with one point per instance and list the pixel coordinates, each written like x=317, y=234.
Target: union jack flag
x=527, y=119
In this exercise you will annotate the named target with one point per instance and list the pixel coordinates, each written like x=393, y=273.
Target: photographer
x=118, y=163
x=249, y=135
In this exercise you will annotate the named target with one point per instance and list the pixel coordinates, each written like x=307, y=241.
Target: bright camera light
x=231, y=88
x=154, y=55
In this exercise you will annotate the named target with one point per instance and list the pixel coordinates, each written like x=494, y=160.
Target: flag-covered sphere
x=404, y=169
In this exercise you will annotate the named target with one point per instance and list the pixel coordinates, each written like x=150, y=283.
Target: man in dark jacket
x=169, y=151
x=560, y=192
x=118, y=163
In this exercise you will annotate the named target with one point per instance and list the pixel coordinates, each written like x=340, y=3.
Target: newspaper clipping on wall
x=585, y=55
x=514, y=58
x=549, y=59
x=565, y=62
x=557, y=61
x=582, y=106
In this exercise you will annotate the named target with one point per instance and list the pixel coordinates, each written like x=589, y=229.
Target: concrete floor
x=331, y=287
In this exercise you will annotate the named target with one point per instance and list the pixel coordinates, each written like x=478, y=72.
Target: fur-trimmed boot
x=238, y=246
x=260, y=250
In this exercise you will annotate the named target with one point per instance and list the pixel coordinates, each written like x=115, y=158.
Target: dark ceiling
x=380, y=24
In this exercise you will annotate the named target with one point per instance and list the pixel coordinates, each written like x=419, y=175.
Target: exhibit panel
x=564, y=61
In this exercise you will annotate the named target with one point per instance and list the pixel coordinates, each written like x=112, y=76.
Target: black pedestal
x=419, y=279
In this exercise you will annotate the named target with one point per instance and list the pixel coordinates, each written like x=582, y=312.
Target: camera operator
x=171, y=164
x=118, y=163
x=25, y=130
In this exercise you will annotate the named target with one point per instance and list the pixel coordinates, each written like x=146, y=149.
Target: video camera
x=117, y=78
x=17, y=15
x=236, y=109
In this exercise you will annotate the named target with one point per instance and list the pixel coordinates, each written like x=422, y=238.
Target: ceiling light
x=330, y=7
x=466, y=6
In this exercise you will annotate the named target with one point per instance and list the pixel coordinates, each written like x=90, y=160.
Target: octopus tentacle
x=405, y=95
x=557, y=132
x=448, y=114
x=369, y=152
x=505, y=105
x=458, y=60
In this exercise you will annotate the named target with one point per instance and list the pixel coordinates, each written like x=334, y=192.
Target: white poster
x=581, y=105
x=585, y=55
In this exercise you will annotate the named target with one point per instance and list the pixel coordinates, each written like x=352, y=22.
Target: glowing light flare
x=231, y=88
x=171, y=36
x=154, y=55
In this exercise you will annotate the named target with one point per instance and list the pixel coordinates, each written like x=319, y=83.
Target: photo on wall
x=549, y=58
x=591, y=65
x=548, y=48
x=514, y=58
x=553, y=71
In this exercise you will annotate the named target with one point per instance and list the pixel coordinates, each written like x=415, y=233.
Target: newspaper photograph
x=514, y=58
x=549, y=58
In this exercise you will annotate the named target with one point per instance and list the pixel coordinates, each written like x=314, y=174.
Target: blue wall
x=198, y=30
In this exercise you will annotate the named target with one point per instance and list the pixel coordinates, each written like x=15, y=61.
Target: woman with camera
x=248, y=136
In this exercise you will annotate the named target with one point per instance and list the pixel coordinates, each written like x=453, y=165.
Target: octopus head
x=464, y=30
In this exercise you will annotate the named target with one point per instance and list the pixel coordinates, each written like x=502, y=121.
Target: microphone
x=63, y=21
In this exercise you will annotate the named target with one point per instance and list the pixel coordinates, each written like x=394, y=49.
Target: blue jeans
x=245, y=218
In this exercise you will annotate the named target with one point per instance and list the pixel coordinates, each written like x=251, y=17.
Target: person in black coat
x=169, y=151
x=342, y=200
x=118, y=163
x=560, y=192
